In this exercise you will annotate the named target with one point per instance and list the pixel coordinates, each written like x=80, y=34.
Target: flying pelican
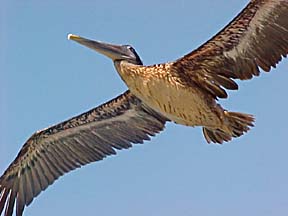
x=183, y=91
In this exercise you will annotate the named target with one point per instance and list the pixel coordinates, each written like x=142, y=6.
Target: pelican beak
x=114, y=52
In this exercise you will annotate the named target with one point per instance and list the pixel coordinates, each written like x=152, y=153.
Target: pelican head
x=114, y=52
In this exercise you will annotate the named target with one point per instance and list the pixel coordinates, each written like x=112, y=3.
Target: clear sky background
x=46, y=79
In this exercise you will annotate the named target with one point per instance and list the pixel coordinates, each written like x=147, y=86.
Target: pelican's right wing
x=52, y=152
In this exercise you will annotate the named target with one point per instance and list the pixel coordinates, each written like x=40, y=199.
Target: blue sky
x=46, y=79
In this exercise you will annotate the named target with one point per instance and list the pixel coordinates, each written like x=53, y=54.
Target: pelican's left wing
x=257, y=37
x=91, y=136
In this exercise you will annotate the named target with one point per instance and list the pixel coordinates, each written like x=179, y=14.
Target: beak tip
x=72, y=37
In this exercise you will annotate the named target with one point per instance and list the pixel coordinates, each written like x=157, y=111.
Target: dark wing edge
x=89, y=137
x=257, y=37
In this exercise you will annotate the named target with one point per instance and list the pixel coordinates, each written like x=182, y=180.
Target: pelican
x=184, y=91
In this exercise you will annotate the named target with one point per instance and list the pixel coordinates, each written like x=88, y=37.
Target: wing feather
x=257, y=37
x=86, y=138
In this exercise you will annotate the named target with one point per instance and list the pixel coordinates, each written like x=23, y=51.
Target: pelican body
x=159, y=88
x=184, y=91
x=182, y=101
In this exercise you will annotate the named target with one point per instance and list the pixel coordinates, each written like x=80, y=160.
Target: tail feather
x=238, y=124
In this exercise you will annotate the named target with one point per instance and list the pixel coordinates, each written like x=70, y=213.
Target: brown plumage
x=184, y=91
x=89, y=137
